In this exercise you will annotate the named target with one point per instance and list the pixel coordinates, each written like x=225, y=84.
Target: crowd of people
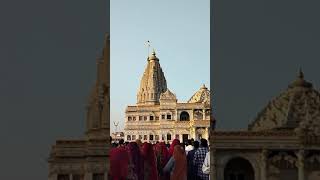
x=160, y=161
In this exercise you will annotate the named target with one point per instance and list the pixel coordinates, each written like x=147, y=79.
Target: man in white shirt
x=189, y=146
x=206, y=164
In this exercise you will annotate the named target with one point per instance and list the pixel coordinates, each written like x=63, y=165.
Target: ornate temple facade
x=282, y=143
x=87, y=158
x=158, y=115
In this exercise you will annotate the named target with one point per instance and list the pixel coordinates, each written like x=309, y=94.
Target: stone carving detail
x=168, y=95
x=283, y=159
x=198, y=114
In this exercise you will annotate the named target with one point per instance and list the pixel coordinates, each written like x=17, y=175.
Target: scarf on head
x=171, y=149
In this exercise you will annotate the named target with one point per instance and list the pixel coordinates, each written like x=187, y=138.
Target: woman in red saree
x=171, y=149
x=150, y=167
x=180, y=164
x=162, y=155
x=119, y=160
x=135, y=169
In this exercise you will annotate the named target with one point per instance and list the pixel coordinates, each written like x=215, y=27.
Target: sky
x=179, y=32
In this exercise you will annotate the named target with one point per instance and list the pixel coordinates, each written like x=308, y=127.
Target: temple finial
x=301, y=75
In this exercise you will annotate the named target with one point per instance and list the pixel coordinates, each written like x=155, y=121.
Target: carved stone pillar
x=213, y=170
x=264, y=158
x=300, y=164
x=203, y=114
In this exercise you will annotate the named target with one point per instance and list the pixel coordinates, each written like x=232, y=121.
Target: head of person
x=180, y=164
x=173, y=144
x=147, y=148
x=196, y=144
x=119, y=159
x=178, y=150
x=189, y=142
x=121, y=142
x=204, y=143
x=138, y=141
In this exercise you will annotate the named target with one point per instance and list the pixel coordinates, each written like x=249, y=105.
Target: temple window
x=133, y=137
x=63, y=177
x=140, y=118
x=98, y=176
x=168, y=137
x=140, y=137
x=151, y=118
x=129, y=118
x=151, y=137
x=184, y=116
x=128, y=137
x=145, y=118
x=145, y=137
x=77, y=177
x=157, y=117
x=168, y=116
x=134, y=118
x=163, y=116
x=157, y=137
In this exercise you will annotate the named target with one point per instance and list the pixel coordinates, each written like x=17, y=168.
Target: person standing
x=119, y=160
x=189, y=146
x=180, y=164
x=150, y=166
x=162, y=156
x=135, y=168
x=198, y=160
x=191, y=168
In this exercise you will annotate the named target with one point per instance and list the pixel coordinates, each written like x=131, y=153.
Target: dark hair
x=189, y=142
x=204, y=143
x=196, y=144
x=121, y=141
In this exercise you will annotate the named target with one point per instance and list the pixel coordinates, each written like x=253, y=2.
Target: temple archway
x=184, y=116
x=238, y=169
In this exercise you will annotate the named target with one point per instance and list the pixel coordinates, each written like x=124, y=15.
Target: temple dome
x=297, y=106
x=201, y=96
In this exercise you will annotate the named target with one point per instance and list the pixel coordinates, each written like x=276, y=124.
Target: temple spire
x=153, y=82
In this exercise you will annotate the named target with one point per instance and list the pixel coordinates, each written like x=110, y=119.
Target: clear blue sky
x=179, y=30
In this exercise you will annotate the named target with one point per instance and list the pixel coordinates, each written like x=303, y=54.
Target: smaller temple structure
x=282, y=143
